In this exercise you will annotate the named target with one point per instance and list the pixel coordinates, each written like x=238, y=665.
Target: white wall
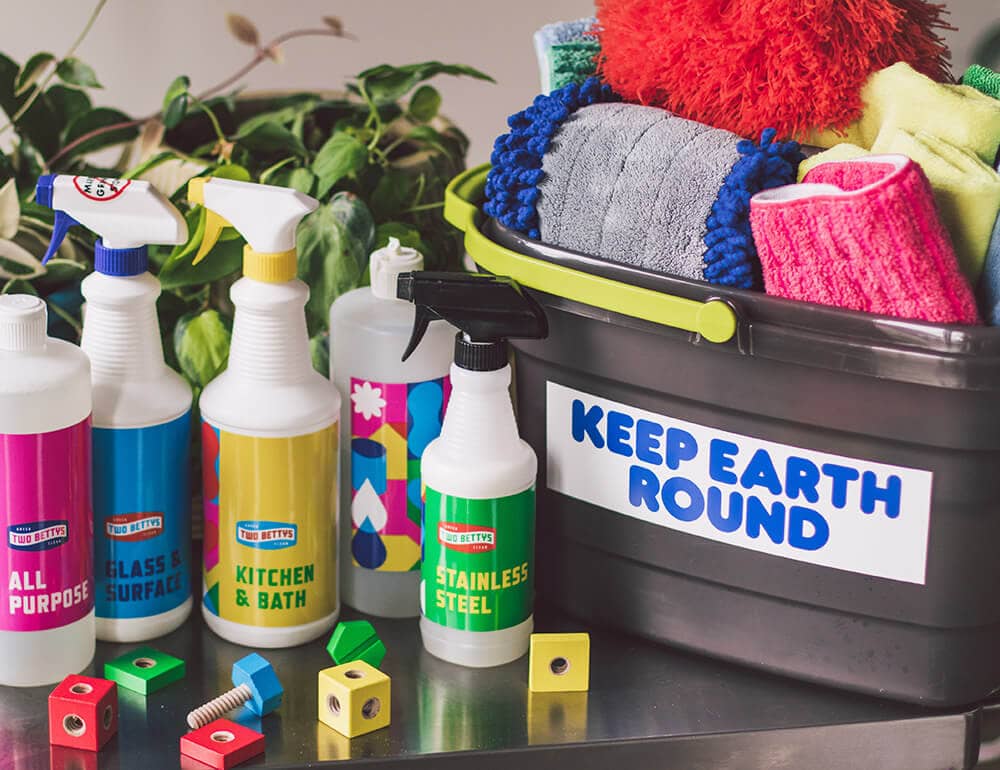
x=139, y=46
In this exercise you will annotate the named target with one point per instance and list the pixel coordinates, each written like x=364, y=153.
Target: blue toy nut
x=257, y=673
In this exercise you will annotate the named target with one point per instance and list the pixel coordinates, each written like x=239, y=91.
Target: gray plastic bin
x=900, y=597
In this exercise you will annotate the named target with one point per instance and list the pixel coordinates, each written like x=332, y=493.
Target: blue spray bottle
x=142, y=408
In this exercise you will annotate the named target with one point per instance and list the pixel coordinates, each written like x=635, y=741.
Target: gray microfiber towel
x=634, y=185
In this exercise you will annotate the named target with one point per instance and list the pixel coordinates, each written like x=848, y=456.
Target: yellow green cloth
x=900, y=98
x=967, y=190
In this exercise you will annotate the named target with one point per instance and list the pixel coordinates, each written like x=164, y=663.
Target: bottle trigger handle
x=60, y=228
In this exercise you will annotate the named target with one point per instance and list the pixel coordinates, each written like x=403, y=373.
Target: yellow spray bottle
x=269, y=437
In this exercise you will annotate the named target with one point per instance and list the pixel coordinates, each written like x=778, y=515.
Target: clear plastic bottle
x=391, y=411
x=46, y=518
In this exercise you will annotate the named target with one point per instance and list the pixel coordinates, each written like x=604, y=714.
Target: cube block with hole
x=144, y=670
x=222, y=744
x=559, y=663
x=83, y=712
x=354, y=698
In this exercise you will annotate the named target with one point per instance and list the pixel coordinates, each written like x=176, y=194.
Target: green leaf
x=10, y=210
x=232, y=171
x=284, y=116
x=329, y=262
x=392, y=194
x=425, y=103
x=387, y=84
x=301, y=179
x=38, y=124
x=67, y=103
x=342, y=154
x=175, y=101
x=429, y=136
x=99, y=118
x=225, y=258
x=319, y=349
x=201, y=343
x=31, y=71
x=270, y=138
x=75, y=73
x=354, y=214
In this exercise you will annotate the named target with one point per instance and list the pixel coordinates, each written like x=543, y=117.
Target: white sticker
x=839, y=512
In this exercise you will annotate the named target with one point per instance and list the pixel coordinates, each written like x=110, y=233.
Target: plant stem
x=40, y=87
x=424, y=207
x=260, y=56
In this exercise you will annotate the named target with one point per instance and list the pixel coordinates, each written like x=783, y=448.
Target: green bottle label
x=478, y=568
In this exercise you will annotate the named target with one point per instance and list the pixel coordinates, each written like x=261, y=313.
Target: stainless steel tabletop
x=648, y=706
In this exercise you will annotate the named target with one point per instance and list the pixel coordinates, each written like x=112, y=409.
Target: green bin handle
x=714, y=320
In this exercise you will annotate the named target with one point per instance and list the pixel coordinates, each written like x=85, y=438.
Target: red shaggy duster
x=744, y=65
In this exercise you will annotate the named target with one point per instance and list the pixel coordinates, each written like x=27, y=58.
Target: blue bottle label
x=142, y=519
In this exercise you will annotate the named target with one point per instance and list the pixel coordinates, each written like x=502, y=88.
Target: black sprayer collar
x=487, y=309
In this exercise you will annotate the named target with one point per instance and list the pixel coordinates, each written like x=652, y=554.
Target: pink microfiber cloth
x=864, y=235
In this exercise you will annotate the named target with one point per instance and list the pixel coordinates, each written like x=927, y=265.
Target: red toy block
x=222, y=744
x=83, y=712
x=61, y=758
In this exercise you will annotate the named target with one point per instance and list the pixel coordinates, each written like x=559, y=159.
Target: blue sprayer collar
x=120, y=262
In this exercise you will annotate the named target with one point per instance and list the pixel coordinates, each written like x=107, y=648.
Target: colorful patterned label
x=479, y=556
x=391, y=426
x=142, y=507
x=270, y=527
x=46, y=567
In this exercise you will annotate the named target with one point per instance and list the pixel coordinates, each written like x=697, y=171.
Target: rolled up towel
x=864, y=235
x=989, y=285
x=982, y=79
x=635, y=185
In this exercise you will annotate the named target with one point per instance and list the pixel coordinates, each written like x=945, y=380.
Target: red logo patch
x=132, y=527
x=99, y=189
x=466, y=538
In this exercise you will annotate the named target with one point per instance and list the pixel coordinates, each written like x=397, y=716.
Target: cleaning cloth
x=989, y=287
x=553, y=34
x=967, y=190
x=635, y=185
x=864, y=235
x=983, y=79
x=900, y=98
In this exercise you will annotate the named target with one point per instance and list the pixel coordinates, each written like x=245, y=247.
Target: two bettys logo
x=132, y=527
x=466, y=538
x=38, y=536
x=267, y=535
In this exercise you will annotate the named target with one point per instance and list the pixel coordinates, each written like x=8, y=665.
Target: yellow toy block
x=559, y=663
x=354, y=698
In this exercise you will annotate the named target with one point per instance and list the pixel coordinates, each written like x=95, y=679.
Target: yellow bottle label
x=270, y=553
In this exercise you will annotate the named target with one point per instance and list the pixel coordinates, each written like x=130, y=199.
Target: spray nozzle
x=265, y=215
x=487, y=309
x=127, y=214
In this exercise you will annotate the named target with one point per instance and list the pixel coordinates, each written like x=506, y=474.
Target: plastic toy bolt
x=255, y=685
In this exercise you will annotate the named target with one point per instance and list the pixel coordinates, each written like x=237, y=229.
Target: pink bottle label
x=47, y=526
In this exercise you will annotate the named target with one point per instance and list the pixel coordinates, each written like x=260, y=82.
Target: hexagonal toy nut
x=256, y=673
x=83, y=712
x=355, y=640
x=354, y=698
x=222, y=744
x=144, y=670
x=559, y=663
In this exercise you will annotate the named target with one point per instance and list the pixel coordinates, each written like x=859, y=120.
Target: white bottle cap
x=23, y=320
x=388, y=262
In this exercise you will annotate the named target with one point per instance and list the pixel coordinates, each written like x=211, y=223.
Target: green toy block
x=355, y=640
x=144, y=670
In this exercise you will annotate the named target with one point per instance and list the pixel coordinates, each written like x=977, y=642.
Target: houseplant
x=377, y=156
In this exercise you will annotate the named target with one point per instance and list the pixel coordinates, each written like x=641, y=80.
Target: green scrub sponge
x=573, y=62
x=983, y=79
